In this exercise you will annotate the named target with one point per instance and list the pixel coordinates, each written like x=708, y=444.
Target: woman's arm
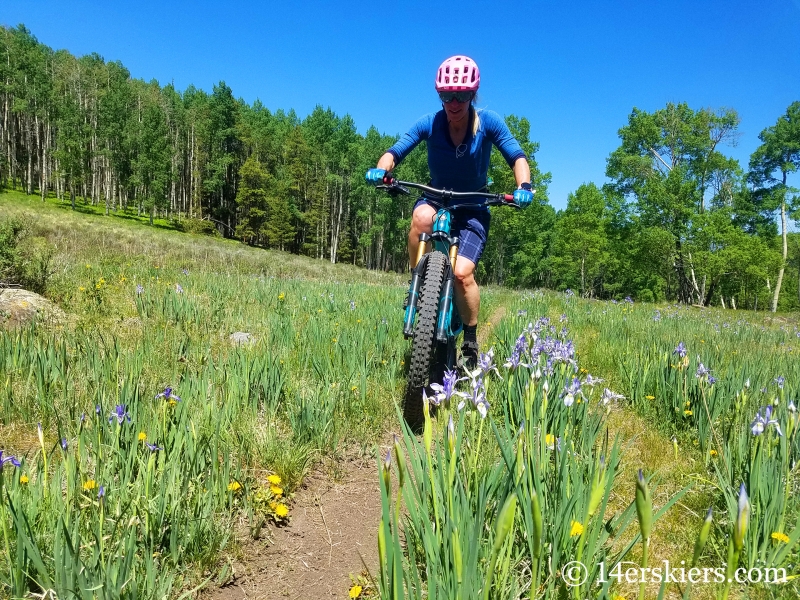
x=386, y=162
x=522, y=171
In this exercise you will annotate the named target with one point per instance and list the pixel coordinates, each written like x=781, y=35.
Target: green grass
x=323, y=374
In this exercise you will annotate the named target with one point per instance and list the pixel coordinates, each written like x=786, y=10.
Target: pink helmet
x=458, y=73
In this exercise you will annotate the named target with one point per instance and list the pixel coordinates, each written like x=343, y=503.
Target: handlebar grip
x=508, y=197
x=388, y=179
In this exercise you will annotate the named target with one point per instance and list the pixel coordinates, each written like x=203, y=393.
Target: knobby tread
x=423, y=345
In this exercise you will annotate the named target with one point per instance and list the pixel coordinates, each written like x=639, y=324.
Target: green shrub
x=25, y=259
x=201, y=226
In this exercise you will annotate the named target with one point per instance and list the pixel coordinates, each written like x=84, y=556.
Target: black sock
x=471, y=333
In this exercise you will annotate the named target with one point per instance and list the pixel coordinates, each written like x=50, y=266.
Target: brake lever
x=394, y=189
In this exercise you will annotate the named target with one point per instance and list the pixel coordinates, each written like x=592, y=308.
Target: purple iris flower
x=760, y=424
x=185, y=271
x=680, y=350
x=780, y=380
x=153, y=447
x=101, y=493
x=515, y=360
x=446, y=389
x=628, y=299
x=120, y=413
x=352, y=305
x=8, y=459
x=702, y=372
x=609, y=396
x=168, y=395
x=712, y=380
x=64, y=444
x=592, y=381
x=178, y=288
x=570, y=391
x=485, y=365
x=482, y=405
x=657, y=316
x=139, y=289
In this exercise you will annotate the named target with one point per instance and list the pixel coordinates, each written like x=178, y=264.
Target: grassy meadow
x=195, y=381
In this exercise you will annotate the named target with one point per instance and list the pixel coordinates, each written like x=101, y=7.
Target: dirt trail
x=334, y=525
x=331, y=536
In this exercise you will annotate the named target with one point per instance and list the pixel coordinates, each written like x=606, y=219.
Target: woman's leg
x=468, y=296
x=421, y=222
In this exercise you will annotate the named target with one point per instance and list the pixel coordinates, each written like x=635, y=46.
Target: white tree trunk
x=785, y=254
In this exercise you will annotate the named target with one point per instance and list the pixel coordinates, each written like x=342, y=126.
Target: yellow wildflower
x=81, y=289
x=780, y=537
x=618, y=597
x=354, y=388
x=712, y=452
x=355, y=592
x=358, y=320
x=89, y=485
x=88, y=266
x=142, y=436
x=650, y=397
x=282, y=511
x=274, y=479
x=687, y=413
x=24, y=479
x=334, y=340
x=550, y=441
x=234, y=486
x=276, y=491
x=576, y=529
x=281, y=296
x=688, y=403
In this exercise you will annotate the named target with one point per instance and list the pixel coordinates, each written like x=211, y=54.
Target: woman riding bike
x=459, y=141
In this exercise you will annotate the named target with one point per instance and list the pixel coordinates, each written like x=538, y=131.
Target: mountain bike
x=431, y=320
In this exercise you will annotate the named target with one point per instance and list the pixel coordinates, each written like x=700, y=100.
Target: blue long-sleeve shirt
x=461, y=169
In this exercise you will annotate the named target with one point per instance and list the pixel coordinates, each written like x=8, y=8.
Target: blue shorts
x=471, y=225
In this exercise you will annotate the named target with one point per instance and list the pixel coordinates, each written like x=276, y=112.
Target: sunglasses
x=459, y=96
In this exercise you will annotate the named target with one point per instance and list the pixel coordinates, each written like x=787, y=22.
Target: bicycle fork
x=446, y=301
x=416, y=283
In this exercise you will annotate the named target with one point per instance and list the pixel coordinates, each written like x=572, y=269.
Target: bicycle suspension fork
x=416, y=283
x=446, y=301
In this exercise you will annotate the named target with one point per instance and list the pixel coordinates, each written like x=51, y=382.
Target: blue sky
x=574, y=69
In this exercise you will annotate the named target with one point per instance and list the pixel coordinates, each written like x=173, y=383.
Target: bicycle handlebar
x=390, y=184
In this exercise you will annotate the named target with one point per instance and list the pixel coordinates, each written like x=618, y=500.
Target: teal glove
x=375, y=176
x=523, y=197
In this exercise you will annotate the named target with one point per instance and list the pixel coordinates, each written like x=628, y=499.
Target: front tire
x=426, y=353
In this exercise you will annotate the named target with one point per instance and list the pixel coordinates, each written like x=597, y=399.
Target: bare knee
x=464, y=273
x=422, y=220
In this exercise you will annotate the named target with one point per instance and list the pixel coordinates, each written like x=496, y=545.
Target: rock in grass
x=241, y=338
x=18, y=308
